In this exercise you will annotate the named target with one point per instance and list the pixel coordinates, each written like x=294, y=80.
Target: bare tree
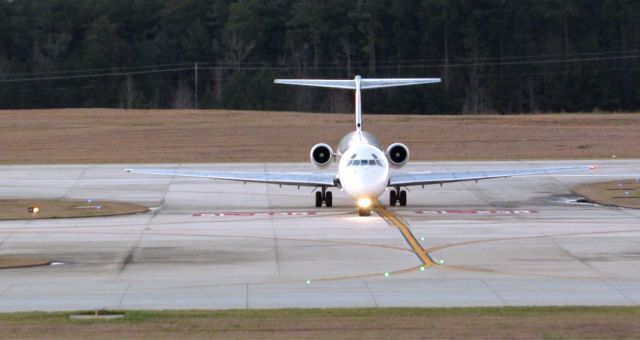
x=475, y=100
x=239, y=48
x=339, y=101
x=49, y=51
x=183, y=97
x=128, y=93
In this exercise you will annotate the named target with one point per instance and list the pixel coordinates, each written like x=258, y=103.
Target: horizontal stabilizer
x=336, y=84
x=358, y=83
x=380, y=83
x=365, y=83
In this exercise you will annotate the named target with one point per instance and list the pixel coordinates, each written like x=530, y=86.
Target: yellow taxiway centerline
x=395, y=221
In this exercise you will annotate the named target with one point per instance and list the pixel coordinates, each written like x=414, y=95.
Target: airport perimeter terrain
x=355, y=323
x=249, y=250
x=104, y=136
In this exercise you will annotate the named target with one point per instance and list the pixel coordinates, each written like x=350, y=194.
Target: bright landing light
x=364, y=203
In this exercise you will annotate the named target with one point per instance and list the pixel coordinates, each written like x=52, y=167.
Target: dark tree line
x=493, y=56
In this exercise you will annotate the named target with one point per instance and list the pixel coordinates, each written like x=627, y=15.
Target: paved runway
x=214, y=244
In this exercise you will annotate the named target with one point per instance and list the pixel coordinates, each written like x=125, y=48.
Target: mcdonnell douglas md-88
x=364, y=168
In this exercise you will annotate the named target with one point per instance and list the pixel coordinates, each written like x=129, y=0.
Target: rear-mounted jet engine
x=397, y=154
x=321, y=155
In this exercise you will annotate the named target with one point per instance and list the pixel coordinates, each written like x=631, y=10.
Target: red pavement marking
x=258, y=213
x=418, y=212
x=476, y=212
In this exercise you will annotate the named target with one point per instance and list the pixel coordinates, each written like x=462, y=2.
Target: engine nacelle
x=321, y=155
x=397, y=154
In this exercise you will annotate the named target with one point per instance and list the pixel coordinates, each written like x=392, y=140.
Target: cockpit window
x=364, y=162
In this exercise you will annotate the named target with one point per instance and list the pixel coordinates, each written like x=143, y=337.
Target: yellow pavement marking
x=395, y=221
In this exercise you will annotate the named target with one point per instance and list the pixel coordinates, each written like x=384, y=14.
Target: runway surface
x=214, y=244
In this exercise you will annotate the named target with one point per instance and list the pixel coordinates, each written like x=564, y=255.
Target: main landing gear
x=325, y=197
x=397, y=196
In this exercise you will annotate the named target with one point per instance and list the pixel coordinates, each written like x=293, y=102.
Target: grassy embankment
x=503, y=322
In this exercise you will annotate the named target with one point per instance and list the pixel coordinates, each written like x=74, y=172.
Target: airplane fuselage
x=364, y=172
x=363, y=168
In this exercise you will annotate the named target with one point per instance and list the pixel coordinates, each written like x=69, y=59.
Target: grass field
x=615, y=193
x=20, y=262
x=18, y=209
x=149, y=136
x=433, y=323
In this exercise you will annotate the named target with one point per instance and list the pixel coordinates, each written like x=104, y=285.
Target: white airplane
x=364, y=169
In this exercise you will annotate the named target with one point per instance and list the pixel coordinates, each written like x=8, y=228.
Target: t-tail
x=358, y=83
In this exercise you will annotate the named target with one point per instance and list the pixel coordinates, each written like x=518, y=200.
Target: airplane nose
x=356, y=187
x=363, y=186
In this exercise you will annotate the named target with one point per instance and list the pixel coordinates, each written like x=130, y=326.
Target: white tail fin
x=358, y=84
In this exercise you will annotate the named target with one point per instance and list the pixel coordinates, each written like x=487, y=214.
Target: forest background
x=499, y=56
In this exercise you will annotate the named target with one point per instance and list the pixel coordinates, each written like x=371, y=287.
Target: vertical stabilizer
x=358, y=102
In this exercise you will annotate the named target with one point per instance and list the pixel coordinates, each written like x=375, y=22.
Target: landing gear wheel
x=328, y=199
x=403, y=198
x=393, y=198
x=364, y=211
x=318, y=199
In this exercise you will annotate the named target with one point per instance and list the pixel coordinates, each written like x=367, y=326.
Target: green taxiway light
x=421, y=268
x=308, y=282
x=386, y=274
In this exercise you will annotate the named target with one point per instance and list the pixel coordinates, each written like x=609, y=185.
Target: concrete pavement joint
x=373, y=298
x=128, y=259
x=627, y=297
x=82, y=173
x=581, y=261
x=7, y=289
x=273, y=228
x=504, y=303
x=246, y=293
x=124, y=293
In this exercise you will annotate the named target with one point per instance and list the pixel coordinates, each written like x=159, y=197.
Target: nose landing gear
x=397, y=196
x=325, y=197
x=364, y=211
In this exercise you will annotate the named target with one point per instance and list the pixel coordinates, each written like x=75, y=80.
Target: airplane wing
x=426, y=178
x=282, y=178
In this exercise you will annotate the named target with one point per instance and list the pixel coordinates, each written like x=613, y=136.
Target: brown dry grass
x=615, y=193
x=432, y=323
x=7, y=262
x=17, y=209
x=143, y=136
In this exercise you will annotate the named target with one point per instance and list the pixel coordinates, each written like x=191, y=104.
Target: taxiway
x=216, y=245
